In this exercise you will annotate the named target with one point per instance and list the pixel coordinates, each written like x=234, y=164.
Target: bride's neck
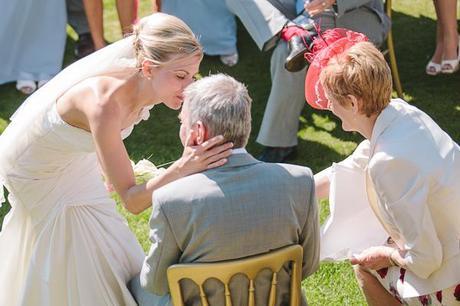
x=133, y=92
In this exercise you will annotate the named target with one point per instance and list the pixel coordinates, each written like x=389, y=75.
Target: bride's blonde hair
x=159, y=37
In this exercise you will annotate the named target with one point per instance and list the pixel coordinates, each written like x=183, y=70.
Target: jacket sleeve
x=359, y=158
x=403, y=190
x=309, y=237
x=344, y=6
x=163, y=253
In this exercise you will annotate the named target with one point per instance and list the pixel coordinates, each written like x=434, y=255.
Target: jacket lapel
x=384, y=120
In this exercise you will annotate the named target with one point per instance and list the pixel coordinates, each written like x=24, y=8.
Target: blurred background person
x=447, y=53
x=32, y=40
x=76, y=18
x=211, y=21
x=127, y=15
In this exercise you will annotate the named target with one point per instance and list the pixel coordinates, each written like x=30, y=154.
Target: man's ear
x=201, y=132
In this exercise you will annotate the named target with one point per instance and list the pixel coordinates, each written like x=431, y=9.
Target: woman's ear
x=147, y=69
x=201, y=132
x=355, y=104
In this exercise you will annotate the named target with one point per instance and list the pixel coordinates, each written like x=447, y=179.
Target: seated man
x=243, y=208
x=278, y=131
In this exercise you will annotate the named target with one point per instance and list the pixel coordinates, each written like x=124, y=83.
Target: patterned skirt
x=392, y=279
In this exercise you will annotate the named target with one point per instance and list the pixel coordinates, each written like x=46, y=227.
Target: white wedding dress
x=63, y=242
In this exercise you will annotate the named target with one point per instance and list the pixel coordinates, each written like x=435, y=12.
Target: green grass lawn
x=321, y=140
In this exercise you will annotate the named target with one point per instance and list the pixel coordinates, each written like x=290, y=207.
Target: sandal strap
x=449, y=65
x=452, y=65
x=25, y=83
x=433, y=68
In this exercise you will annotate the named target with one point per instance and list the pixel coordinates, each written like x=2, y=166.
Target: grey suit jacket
x=243, y=208
x=376, y=6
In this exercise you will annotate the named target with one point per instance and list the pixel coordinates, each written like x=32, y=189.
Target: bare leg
x=375, y=293
x=446, y=11
x=127, y=14
x=93, y=10
x=156, y=6
x=437, y=56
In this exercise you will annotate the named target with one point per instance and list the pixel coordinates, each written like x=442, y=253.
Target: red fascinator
x=326, y=45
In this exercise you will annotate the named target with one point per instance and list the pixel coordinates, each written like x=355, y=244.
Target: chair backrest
x=224, y=271
x=387, y=7
x=390, y=51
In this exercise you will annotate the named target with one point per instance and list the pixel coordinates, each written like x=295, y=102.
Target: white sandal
x=230, y=59
x=433, y=68
x=451, y=66
x=26, y=86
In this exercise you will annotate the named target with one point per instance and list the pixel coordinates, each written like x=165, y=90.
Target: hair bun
x=137, y=44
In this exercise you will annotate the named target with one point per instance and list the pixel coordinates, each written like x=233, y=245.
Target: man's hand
x=316, y=7
x=374, y=258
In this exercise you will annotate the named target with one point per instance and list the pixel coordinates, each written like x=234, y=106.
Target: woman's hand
x=210, y=154
x=316, y=7
x=374, y=258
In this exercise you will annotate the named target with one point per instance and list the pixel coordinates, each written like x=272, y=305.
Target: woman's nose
x=188, y=82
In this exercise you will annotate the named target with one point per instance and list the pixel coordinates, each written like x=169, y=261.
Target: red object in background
x=326, y=46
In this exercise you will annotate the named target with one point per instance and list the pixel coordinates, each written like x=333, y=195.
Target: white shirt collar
x=239, y=151
x=390, y=113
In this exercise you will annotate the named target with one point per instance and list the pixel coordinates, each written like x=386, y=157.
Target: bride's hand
x=210, y=154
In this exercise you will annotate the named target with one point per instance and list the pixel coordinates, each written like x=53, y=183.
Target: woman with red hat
x=412, y=174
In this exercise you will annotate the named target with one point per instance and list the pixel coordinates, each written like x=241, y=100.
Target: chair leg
x=394, y=65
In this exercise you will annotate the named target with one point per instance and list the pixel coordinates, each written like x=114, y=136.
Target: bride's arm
x=105, y=124
x=194, y=159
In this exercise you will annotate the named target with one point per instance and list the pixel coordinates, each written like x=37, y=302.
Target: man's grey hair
x=223, y=105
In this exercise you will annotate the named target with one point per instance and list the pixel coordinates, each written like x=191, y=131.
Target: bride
x=63, y=243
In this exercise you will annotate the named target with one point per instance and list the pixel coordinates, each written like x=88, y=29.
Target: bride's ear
x=201, y=132
x=147, y=69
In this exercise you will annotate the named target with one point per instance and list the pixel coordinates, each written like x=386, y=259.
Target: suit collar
x=241, y=159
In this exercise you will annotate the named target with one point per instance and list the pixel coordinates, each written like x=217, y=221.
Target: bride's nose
x=188, y=82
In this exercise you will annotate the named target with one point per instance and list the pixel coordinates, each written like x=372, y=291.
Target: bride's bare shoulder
x=93, y=93
x=91, y=98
